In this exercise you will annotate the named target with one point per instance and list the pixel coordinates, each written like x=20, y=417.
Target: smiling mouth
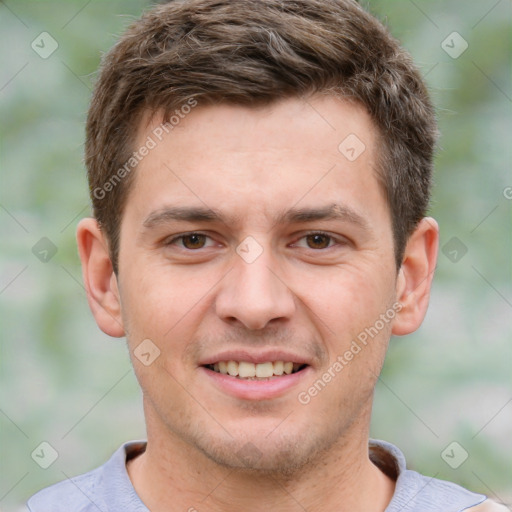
x=256, y=371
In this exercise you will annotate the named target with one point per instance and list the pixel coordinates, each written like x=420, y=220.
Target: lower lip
x=255, y=389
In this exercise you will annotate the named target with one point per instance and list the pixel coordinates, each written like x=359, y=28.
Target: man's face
x=260, y=282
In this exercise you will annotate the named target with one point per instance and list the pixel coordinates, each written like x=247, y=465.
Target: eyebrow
x=181, y=213
x=332, y=211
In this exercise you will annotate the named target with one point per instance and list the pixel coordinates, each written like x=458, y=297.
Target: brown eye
x=318, y=241
x=194, y=241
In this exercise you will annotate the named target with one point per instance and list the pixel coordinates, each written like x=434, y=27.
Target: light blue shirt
x=109, y=489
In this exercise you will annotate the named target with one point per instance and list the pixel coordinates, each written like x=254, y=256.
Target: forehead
x=246, y=161
x=277, y=124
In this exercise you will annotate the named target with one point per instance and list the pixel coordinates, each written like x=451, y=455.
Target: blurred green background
x=66, y=383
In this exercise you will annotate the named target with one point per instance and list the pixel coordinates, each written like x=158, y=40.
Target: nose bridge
x=253, y=292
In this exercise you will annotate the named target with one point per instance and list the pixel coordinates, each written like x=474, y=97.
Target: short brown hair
x=250, y=53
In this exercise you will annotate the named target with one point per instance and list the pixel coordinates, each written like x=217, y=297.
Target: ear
x=99, y=278
x=415, y=276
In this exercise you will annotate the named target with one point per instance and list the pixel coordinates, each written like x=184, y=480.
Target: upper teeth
x=245, y=369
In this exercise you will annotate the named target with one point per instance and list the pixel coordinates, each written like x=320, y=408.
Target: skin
x=309, y=296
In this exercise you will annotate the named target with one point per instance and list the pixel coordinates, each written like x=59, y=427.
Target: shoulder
x=107, y=487
x=77, y=494
x=415, y=492
x=431, y=494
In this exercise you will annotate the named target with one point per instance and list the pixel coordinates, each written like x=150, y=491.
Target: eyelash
x=311, y=233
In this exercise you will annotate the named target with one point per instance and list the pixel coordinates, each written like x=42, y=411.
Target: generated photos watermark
x=150, y=143
x=357, y=345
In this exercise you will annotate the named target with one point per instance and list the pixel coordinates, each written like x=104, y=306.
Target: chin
x=286, y=459
x=282, y=455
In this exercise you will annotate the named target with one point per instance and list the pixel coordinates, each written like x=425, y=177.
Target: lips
x=254, y=388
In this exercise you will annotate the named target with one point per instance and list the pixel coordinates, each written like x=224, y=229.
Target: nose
x=254, y=294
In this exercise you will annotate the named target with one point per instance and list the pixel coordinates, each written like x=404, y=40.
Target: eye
x=319, y=240
x=189, y=241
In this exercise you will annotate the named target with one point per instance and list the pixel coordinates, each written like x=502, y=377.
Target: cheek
x=166, y=305
x=348, y=309
x=346, y=300
x=151, y=305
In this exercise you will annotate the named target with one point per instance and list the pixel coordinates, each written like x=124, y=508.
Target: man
x=260, y=175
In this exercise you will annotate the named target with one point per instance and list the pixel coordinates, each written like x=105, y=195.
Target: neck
x=173, y=475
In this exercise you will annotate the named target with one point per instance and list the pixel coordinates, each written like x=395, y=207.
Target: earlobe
x=415, y=276
x=99, y=278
